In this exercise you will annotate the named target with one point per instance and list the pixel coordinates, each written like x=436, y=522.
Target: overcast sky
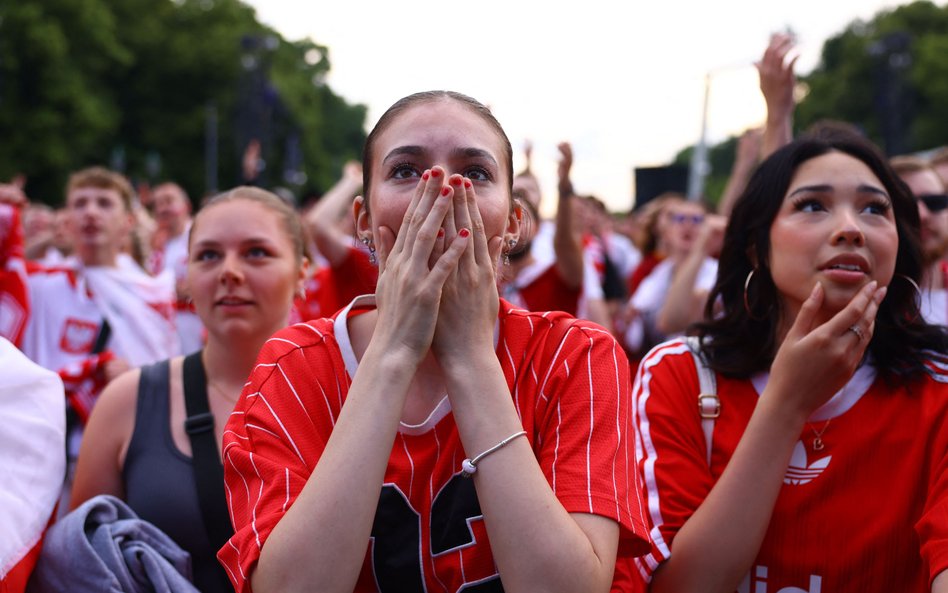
x=623, y=81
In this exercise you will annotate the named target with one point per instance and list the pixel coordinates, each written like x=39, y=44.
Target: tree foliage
x=888, y=76
x=720, y=160
x=131, y=83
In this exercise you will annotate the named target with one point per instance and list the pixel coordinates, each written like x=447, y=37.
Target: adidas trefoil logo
x=799, y=471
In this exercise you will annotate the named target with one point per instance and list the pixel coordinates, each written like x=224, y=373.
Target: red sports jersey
x=14, y=295
x=867, y=512
x=572, y=397
x=541, y=288
x=332, y=288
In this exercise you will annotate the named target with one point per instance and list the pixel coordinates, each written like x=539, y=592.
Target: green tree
x=130, y=83
x=721, y=159
x=912, y=41
x=888, y=71
x=56, y=108
x=334, y=129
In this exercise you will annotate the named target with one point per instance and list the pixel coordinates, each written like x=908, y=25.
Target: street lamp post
x=699, y=168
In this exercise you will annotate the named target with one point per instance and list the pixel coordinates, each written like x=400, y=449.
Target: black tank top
x=159, y=481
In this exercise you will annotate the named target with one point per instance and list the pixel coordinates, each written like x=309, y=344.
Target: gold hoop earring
x=917, y=301
x=747, y=305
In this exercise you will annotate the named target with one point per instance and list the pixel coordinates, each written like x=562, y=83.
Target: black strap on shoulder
x=208, y=470
x=105, y=332
x=73, y=420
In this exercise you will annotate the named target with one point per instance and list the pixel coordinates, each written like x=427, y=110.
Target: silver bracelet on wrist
x=469, y=466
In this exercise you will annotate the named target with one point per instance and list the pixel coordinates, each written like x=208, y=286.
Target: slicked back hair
x=410, y=101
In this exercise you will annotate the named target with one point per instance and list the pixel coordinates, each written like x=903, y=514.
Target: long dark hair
x=739, y=342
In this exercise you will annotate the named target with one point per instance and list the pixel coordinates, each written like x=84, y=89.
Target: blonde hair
x=290, y=219
x=905, y=164
x=102, y=178
x=940, y=157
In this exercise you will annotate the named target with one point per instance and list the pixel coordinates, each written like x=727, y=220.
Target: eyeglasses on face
x=934, y=202
x=683, y=218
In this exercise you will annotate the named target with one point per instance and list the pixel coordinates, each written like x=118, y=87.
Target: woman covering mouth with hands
x=431, y=437
x=820, y=464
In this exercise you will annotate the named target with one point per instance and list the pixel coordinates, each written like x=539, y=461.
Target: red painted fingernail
x=424, y=176
x=440, y=233
x=455, y=181
x=464, y=233
x=435, y=173
x=445, y=191
x=467, y=183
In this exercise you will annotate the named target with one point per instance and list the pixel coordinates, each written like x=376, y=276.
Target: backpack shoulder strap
x=206, y=456
x=709, y=404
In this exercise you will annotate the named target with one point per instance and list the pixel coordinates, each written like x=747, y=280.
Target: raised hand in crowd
x=528, y=155
x=252, y=164
x=566, y=238
x=686, y=297
x=777, y=83
x=12, y=193
x=745, y=159
x=324, y=219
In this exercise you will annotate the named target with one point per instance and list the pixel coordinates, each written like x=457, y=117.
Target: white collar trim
x=842, y=400
x=341, y=332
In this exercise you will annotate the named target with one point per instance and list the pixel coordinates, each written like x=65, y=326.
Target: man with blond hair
x=939, y=163
x=929, y=191
x=70, y=306
x=99, y=314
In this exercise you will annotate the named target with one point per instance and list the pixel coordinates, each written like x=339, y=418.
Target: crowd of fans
x=205, y=349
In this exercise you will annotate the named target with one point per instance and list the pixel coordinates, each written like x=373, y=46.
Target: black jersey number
x=396, y=553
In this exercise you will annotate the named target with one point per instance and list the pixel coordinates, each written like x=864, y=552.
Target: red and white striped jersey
x=867, y=512
x=574, y=401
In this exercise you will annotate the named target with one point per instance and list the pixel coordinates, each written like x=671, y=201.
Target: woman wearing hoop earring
x=822, y=465
x=748, y=302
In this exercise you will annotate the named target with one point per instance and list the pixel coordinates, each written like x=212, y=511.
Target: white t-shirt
x=650, y=297
x=67, y=307
x=934, y=306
